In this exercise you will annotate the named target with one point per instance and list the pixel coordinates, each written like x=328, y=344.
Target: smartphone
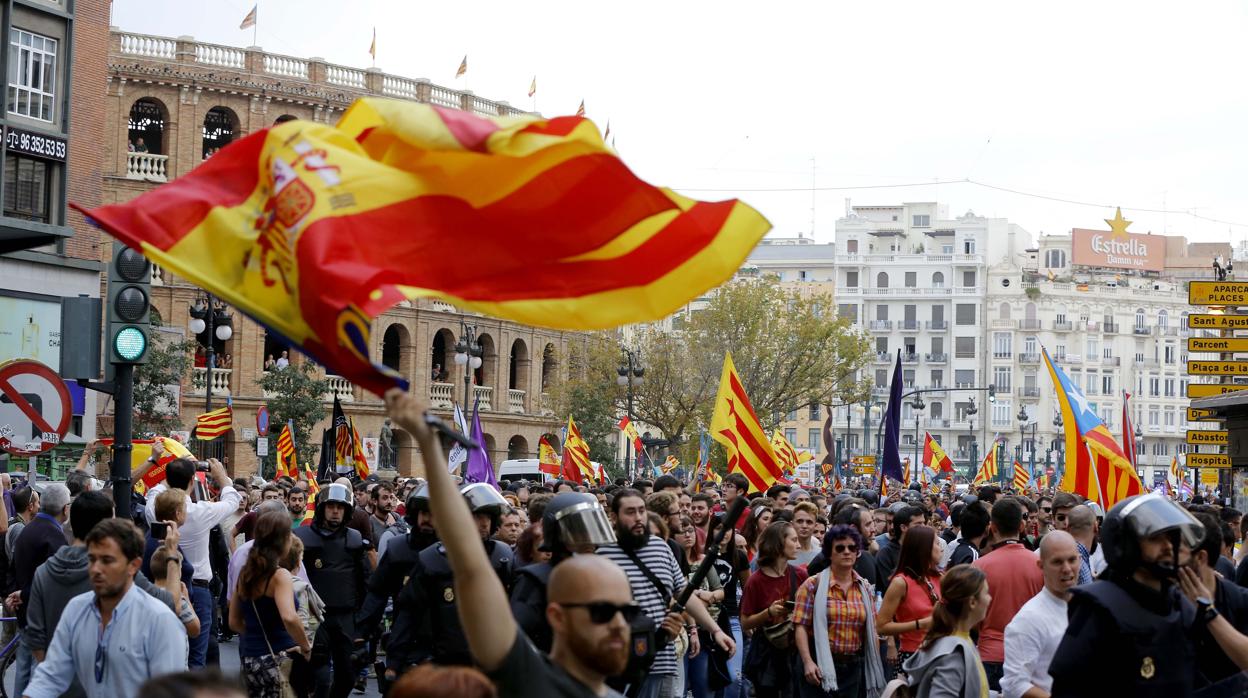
x=160, y=529
x=789, y=604
x=202, y=466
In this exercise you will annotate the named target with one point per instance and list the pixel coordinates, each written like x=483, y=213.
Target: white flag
x=458, y=453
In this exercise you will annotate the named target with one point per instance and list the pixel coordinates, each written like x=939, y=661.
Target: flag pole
x=255, y=27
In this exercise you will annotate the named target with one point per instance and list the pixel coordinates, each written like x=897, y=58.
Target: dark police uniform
x=337, y=568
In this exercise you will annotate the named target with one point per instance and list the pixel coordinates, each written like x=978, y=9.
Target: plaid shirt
x=847, y=615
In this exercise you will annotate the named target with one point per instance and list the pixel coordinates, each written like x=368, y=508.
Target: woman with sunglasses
x=766, y=607
x=947, y=664
x=834, y=623
x=912, y=592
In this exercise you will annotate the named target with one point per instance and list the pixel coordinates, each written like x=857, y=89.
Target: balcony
x=1091, y=326
x=964, y=355
x=442, y=395
x=1002, y=324
x=515, y=401
x=1166, y=331
x=338, y=387
x=937, y=324
x=879, y=391
x=1112, y=360
x=1029, y=391
x=485, y=394
x=1029, y=324
x=1062, y=326
x=883, y=357
x=1143, y=331
x=936, y=358
x=964, y=386
x=909, y=325
x=1002, y=354
x=220, y=381
x=909, y=358
x=1026, y=358
x=1109, y=328
x=880, y=325
x=147, y=167
x=936, y=423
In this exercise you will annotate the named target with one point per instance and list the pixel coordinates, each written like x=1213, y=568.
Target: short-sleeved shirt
x=847, y=614
x=1013, y=578
x=527, y=672
x=762, y=590
x=658, y=558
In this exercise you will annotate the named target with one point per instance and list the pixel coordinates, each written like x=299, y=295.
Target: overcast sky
x=1137, y=104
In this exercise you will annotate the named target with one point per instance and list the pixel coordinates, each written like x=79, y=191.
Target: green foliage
x=155, y=399
x=1033, y=292
x=296, y=394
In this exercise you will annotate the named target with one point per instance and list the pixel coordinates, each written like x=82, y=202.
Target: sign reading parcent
x=1217, y=292
x=1217, y=322
x=1217, y=368
x=1203, y=437
x=1212, y=389
x=1208, y=460
x=1216, y=344
x=35, y=408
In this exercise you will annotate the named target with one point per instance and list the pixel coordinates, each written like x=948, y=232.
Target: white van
x=522, y=469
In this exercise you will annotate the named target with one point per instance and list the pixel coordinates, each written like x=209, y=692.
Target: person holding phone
x=766, y=608
x=170, y=509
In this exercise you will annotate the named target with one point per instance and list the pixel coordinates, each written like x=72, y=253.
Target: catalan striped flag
x=788, y=456
x=313, y=490
x=905, y=472
x=988, y=467
x=287, y=462
x=211, y=425
x=1096, y=467
x=669, y=464
x=250, y=19
x=580, y=111
x=547, y=457
x=934, y=456
x=1022, y=478
x=358, y=460
x=343, y=457
x=314, y=230
x=463, y=67
x=735, y=425
x=576, y=465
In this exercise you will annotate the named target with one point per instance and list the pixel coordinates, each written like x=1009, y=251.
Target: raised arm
x=484, y=612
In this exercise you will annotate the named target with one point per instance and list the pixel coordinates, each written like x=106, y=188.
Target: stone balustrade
x=148, y=167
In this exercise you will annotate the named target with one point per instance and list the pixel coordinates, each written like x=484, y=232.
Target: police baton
x=704, y=567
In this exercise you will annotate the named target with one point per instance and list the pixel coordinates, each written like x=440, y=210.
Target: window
x=968, y=246
x=1029, y=344
x=881, y=312
x=1140, y=321
x=923, y=221
x=1169, y=416
x=1163, y=319
x=32, y=75
x=938, y=378
x=851, y=279
x=26, y=188
x=1153, y=416
x=938, y=279
x=1055, y=259
x=881, y=345
x=814, y=412
x=964, y=376
x=968, y=279
x=881, y=280
x=946, y=249
x=1094, y=348
x=1092, y=385
x=790, y=435
x=803, y=275
x=812, y=439
x=881, y=378
x=1002, y=345
x=1107, y=384
x=851, y=246
x=849, y=311
x=1002, y=415
x=1169, y=352
x=964, y=313
x=1107, y=352
x=1154, y=386
x=1002, y=377
x=907, y=378
x=912, y=279
x=1169, y=386
x=938, y=345
x=791, y=417
x=964, y=347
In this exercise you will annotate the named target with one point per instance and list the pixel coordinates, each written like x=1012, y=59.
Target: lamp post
x=1139, y=448
x=1061, y=449
x=211, y=317
x=918, y=405
x=1022, y=433
x=970, y=430
x=468, y=354
x=631, y=374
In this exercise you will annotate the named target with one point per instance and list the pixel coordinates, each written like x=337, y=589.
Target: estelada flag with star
x=1096, y=467
x=314, y=230
x=788, y=456
x=735, y=425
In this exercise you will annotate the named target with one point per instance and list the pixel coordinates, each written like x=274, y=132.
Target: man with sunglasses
x=589, y=599
x=114, y=639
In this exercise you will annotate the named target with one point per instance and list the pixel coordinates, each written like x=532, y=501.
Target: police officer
x=1129, y=631
x=574, y=522
x=394, y=569
x=426, y=619
x=334, y=557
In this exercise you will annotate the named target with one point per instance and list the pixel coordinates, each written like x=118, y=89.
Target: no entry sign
x=35, y=408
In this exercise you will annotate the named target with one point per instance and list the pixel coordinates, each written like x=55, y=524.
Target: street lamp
x=208, y=314
x=468, y=354
x=1061, y=448
x=630, y=375
x=1139, y=444
x=970, y=430
x=918, y=406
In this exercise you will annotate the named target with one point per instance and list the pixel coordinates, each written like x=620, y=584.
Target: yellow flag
x=735, y=425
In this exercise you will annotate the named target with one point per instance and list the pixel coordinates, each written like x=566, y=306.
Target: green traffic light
x=130, y=343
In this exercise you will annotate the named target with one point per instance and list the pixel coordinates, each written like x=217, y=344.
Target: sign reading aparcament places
x=1217, y=293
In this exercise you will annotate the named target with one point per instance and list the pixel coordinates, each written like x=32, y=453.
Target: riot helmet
x=1144, y=516
x=334, y=493
x=417, y=501
x=483, y=498
x=572, y=521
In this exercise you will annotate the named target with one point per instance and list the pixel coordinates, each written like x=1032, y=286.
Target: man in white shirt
x=201, y=517
x=1032, y=636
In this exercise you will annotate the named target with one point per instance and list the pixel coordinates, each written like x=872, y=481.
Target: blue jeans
x=737, y=688
x=25, y=668
x=201, y=601
x=658, y=686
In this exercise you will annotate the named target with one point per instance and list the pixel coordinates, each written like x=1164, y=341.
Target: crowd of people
x=654, y=588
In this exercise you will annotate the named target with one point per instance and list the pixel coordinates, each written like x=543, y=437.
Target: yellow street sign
x=1217, y=292
x=1217, y=322
x=863, y=460
x=1212, y=389
x=1218, y=344
x=1209, y=476
x=1203, y=436
x=1198, y=415
x=1208, y=460
x=1217, y=368
x=864, y=469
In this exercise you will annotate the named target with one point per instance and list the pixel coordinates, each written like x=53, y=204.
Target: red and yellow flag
x=934, y=456
x=141, y=450
x=314, y=230
x=669, y=464
x=211, y=425
x=1022, y=478
x=313, y=490
x=357, y=452
x=988, y=468
x=735, y=425
x=630, y=430
x=576, y=466
x=287, y=463
x=547, y=457
x=788, y=456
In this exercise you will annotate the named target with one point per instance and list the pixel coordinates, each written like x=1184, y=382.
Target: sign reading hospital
x=1118, y=250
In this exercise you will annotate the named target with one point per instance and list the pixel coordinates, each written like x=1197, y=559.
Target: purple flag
x=479, y=467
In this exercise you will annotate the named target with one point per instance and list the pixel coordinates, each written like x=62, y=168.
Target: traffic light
x=992, y=393
x=129, y=306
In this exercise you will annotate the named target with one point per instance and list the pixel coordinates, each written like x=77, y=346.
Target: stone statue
x=386, y=446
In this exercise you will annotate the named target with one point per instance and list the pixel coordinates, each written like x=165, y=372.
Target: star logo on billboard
x=1118, y=225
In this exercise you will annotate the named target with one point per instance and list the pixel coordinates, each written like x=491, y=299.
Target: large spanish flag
x=934, y=456
x=313, y=230
x=141, y=450
x=735, y=425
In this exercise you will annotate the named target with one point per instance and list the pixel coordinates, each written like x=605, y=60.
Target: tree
x=295, y=394
x=155, y=399
x=788, y=347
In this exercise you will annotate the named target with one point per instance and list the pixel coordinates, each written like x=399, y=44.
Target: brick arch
x=148, y=118
x=220, y=127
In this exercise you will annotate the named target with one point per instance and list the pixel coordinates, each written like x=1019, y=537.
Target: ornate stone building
x=171, y=103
